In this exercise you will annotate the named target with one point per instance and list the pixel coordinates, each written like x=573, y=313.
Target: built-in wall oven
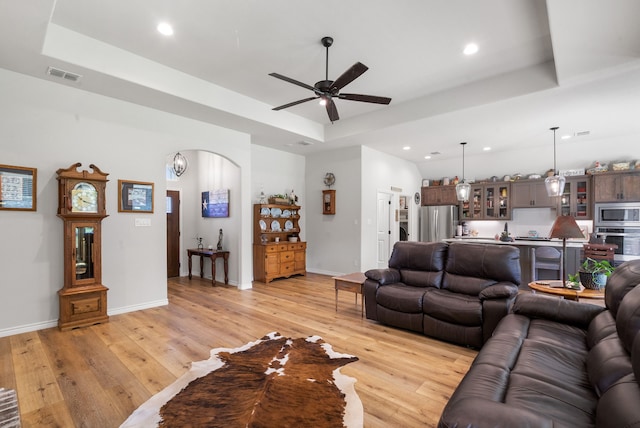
x=619, y=223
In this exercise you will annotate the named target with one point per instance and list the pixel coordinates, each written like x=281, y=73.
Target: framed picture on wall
x=215, y=203
x=135, y=197
x=18, y=188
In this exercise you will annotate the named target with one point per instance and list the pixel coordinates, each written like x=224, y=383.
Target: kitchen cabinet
x=576, y=198
x=439, y=195
x=623, y=186
x=487, y=201
x=531, y=194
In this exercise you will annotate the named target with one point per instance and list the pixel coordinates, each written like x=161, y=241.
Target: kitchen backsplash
x=524, y=220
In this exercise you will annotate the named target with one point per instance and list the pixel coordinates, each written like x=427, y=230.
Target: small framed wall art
x=135, y=197
x=215, y=203
x=18, y=188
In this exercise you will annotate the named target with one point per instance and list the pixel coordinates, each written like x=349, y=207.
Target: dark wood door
x=173, y=233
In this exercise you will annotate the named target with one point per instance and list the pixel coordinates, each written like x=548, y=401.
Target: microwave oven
x=622, y=214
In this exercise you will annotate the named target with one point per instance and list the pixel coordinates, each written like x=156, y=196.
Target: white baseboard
x=54, y=323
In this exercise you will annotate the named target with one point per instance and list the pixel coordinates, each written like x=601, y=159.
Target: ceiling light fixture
x=165, y=29
x=554, y=183
x=179, y=164
x=406, y=148
x=470, y=49
x=463, y=189
x=427, y=157
x=565, y=137
x=486, y=149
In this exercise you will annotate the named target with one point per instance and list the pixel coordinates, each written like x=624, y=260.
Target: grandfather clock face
x=84, y=198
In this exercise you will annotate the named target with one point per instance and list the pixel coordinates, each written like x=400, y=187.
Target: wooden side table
x=352, y=282
x=213, y=255
x=555, y=288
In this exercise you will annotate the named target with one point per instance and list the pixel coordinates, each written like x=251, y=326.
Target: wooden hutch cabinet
x=274, y=256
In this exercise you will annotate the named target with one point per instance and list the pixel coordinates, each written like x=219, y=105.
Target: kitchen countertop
x=571, y=243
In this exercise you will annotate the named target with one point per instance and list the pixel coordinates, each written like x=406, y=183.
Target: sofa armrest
x=570, y=312
x=383, y=276
x=499, y=290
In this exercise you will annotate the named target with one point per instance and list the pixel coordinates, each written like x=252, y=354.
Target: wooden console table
x=567, y=293
x=213, y=255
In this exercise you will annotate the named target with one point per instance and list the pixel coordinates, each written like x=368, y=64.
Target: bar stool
x=548, y=259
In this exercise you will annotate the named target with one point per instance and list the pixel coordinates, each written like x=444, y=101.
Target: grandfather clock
x=81, y=206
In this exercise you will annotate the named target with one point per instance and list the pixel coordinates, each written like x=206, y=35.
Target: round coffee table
x=556, y=288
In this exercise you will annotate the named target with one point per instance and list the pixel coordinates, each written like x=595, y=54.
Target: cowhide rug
x=273, y=382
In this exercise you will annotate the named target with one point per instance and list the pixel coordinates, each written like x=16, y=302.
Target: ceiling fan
x=327, y=89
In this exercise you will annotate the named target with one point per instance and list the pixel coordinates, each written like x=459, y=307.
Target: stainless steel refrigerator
x=438, y=222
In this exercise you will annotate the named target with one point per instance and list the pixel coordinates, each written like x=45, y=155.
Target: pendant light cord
x=463, y=144
x=555, y=170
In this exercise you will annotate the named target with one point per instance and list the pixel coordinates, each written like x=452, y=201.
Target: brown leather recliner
x=456, y=292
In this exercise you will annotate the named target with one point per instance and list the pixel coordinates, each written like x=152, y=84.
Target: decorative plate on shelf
x=275, y=212
x=265, y=212
x=288, y=225
x=275, y=226
x=285, y=214
x=263, y=225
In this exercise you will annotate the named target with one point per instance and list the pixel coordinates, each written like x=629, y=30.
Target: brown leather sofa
x=558, y=363
x=456, y=292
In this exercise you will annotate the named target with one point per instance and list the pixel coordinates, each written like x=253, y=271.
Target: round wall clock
x=329, y=179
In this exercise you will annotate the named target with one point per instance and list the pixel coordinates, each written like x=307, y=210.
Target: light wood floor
x=96, y=376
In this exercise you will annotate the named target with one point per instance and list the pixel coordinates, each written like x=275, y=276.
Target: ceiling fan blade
x=290, y=80
x=349, y=76
x=332, y=110
x=365, y=98
x=294, y=103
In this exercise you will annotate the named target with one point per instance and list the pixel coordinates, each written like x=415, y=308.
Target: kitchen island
x=573, y=255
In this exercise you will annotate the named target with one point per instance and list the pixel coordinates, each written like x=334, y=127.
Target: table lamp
x=565, y=227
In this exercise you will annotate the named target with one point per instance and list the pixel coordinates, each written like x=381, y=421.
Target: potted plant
x=594, y=273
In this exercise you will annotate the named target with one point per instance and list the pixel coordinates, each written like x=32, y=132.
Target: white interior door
x=383, y=221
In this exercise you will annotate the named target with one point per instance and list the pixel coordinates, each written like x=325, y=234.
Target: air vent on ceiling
x=305, y=143
x=67, y=75
x=582, y=133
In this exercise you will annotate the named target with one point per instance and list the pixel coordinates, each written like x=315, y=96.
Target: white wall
x=50, y=126
x=333, y=241
x=382, y=173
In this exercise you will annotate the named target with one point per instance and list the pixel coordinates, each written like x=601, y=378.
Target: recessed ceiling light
x=565, y=137
x=470, y=49
x=427, y=157
x=406, y=148
x=486, y=149
x=165, y=29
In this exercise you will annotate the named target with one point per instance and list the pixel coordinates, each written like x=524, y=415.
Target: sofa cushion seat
x=401, y=298
x=455, y=308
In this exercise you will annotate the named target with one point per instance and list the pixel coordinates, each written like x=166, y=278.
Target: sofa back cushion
x=420, y=263
x=624, y=279
x=472, y=267
x=628, y=318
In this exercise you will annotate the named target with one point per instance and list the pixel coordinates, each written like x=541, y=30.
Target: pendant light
x=179, y=164
x=463, y=189
x=554, y=183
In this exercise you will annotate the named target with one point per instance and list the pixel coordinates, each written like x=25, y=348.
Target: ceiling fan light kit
x=327, y=89
x=555, y=183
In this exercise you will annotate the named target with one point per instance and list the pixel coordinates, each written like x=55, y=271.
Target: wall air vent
x=67, y=75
